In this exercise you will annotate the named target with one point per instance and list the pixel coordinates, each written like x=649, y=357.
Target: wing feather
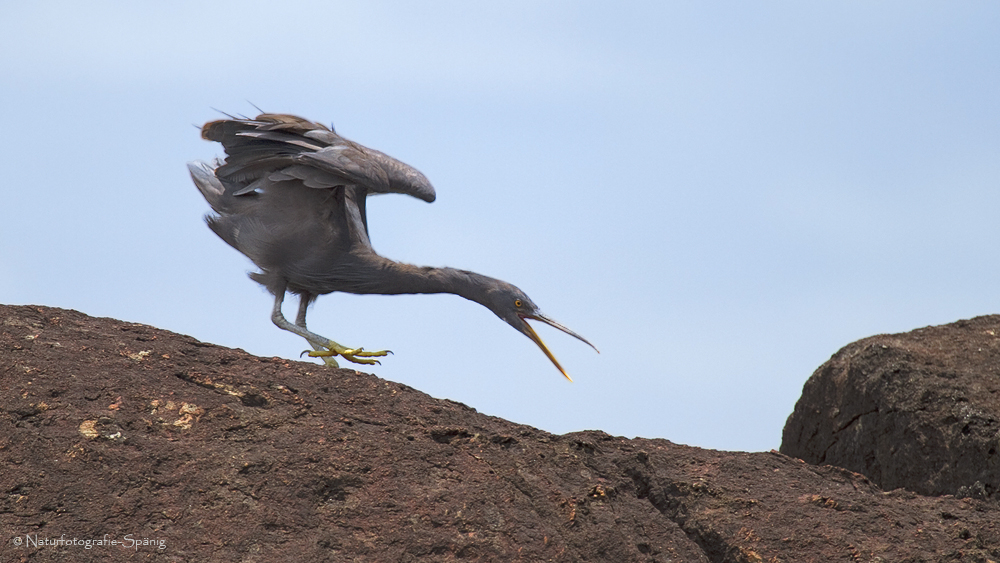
x=274, y=148
x=352, y=164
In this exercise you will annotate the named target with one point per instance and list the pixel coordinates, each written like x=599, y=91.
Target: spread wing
x=274, y=148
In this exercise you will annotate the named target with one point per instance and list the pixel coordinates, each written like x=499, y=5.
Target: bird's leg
x=325, y=352
x=300, y=320
x=323, y=347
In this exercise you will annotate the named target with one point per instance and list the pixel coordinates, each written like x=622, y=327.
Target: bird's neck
x=397, y=278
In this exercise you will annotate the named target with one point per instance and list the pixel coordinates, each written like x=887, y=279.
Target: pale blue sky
x=718, y=195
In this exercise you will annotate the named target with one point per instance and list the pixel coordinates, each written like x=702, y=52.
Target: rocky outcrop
x=919, y=411
x=177, y=450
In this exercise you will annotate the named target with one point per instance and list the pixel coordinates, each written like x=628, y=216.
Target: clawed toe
x=355, y=355
x=328, y=358
x=360, y=352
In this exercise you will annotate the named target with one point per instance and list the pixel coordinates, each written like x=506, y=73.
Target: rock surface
x=186, y=451
x=919, y=410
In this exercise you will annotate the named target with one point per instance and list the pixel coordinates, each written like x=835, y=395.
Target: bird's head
x=513, y=306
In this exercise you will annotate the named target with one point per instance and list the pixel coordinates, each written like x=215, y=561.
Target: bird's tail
x=210, y=187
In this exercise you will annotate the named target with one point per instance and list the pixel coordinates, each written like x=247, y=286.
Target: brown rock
x=118, y=429
x=919, y=410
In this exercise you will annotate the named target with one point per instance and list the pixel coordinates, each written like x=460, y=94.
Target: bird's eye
x=517, y=303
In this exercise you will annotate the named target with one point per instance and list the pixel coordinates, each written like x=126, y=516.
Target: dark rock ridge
x=184, y=451
x=919, y=410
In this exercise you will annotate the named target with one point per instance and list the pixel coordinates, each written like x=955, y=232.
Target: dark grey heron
x=291, y=197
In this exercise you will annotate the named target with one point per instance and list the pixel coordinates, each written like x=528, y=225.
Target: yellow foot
x=356, y=355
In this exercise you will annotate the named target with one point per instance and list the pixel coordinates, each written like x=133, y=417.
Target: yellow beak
x=530, y=332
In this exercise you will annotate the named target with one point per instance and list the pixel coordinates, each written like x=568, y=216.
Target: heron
x=291, y=196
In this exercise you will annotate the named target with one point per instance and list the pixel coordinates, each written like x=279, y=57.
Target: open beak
x=530, y=333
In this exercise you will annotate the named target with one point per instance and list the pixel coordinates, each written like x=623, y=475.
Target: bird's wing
x=350, y=162
x=275, y=148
